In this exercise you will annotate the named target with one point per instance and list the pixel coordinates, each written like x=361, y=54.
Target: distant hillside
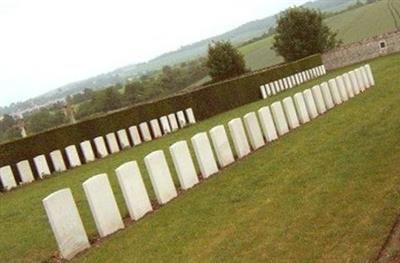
x=238, y=35
x=353, y=25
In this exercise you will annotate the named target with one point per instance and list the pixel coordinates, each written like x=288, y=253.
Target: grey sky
x=48, y=43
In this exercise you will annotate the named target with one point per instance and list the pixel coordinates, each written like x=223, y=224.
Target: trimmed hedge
x=206, y=101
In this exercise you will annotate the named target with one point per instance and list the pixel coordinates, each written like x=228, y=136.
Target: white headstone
x=347, y=83
x=221, y=145
x=301, y=108
x=112, y=142
x=165, y=125
x=72, y=156
x=290, y=111
x=42, y=168
x=273, y=89
x=268, y=89
x=370, y=75
x=365, y=78
x=277, y=88
x=103, y=205
x=263, y=92
x=289, y=80
x=87, y=151
x=25, y=172
x=279, y=118
x=323, y=69
x=310, y=103
x=253, y=130
x=135, y=136
x=281, y=85
x=285, y=83
x=354, y=82
x=123, y=139
x=144, y=130
x=334, y=91
x=326, y=93
x=133, y=189
x=66, y=223
x=360, y=80
x=181, y=119
x=58, y=161
x=239, y=137
x=296, y=76
x=183, y=165
x=303, y=75
x=342, y=88
x=173, y=122
x=100, y=146
x=155, y=128
x=7, y=178
x=293, y=78
x=267, y=124
x=319, y=99
x=160, y=177
x=190, y=116
x=204, y=154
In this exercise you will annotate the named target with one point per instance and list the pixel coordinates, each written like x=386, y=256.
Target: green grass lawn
x=328, y=191
x=354, y=25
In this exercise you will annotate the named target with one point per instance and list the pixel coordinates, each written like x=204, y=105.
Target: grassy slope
x=287, y=201
x=353, y=25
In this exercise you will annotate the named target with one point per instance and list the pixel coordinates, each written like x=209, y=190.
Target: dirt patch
x=390, y=251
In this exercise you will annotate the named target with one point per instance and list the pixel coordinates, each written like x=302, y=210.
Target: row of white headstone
x=114, y=141
x=272, y=122
x=291, y=81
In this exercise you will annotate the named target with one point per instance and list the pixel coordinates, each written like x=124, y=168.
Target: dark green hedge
x=206, y=101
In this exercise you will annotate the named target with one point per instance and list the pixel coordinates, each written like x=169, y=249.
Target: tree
x=44, y=119
x=224, y=61
x=301, y=32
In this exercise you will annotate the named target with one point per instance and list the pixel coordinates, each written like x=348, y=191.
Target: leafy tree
x=224, y=61
x=301, y=32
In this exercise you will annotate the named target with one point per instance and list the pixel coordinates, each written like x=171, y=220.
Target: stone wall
x=365, y=49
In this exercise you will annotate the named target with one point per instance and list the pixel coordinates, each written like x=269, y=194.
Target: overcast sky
x=45, y=44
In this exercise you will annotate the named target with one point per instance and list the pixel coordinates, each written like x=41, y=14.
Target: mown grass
x=328, y=191
x=354, y=25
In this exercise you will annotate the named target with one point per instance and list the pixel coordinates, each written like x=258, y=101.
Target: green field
x=354, y=25
x=328, y=191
